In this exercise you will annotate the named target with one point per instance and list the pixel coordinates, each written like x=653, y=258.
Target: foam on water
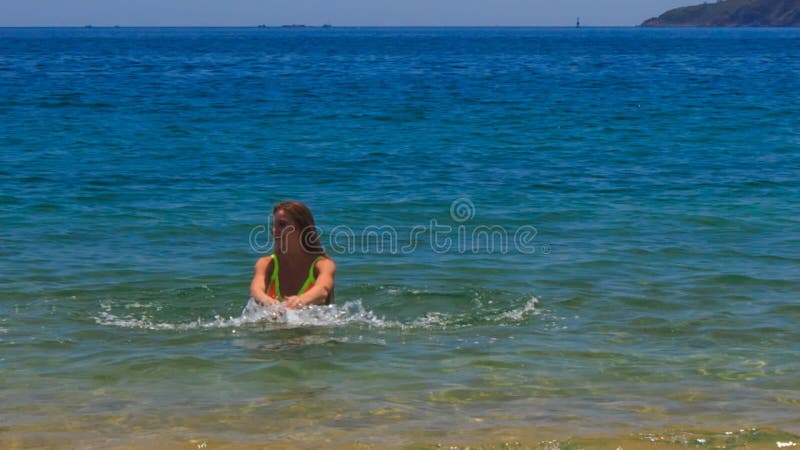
x=349, y=313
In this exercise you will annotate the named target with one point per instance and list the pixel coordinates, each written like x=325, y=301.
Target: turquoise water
x=622, y=253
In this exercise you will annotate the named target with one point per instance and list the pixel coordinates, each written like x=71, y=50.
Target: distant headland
x=732, y=13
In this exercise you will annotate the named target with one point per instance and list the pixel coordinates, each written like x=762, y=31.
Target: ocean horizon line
x=301, y=26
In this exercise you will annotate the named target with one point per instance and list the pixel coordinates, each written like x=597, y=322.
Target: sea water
x=541, y=236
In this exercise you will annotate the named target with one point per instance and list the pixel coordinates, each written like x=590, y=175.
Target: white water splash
x=329, y=315
x=278, y=316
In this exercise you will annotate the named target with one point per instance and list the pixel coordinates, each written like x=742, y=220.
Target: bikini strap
x=275, y=280
x=310, y=279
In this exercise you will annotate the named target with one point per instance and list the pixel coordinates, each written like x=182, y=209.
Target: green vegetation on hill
x=732, y=13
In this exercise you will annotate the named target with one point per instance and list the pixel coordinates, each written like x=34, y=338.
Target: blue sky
x=336, y=12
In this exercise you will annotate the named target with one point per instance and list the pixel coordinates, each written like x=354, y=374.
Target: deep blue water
x=656, y=173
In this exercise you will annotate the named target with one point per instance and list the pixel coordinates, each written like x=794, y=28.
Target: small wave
x=349, y=313
x=144, y=323
x=472, y=317
x=519, y=314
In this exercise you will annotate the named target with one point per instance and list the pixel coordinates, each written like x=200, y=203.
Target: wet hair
x=302, y=217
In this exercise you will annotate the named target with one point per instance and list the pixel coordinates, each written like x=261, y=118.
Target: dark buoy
x=578, y=23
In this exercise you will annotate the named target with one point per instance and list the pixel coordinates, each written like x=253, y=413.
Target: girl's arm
x=258, y=287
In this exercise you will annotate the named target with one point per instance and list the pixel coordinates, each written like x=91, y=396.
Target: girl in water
x=299, y=273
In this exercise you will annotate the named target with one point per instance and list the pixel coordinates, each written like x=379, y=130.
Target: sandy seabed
x=472, y=438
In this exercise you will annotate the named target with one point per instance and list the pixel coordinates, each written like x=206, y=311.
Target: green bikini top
x=274, y=289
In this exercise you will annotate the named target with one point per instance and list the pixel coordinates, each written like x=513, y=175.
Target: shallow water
x=622, y=257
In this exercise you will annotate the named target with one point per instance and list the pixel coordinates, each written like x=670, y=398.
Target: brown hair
x=302, y=217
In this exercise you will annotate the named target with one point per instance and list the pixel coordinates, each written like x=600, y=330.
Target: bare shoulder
x=326, y=265
x=263, y=264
